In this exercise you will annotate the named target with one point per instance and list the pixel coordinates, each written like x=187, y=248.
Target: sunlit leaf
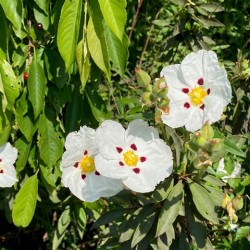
x=203, y=202
x=80, y=219
x=68, y=30
x=170, y=209
x=114, y=13
x=212, y=7
x=4, y=36
x=97, y=45
x=25, y=202
x=60, y=231
x=36, y=87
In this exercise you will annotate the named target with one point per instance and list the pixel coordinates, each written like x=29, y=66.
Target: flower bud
x=147, y=99
x=143, y=78
x=215, y=145
x=163, y=104
x=237, y=202
x=233, y=218
x=226, y=200
x=207, y=131
x=160, y=89
x=158, y=116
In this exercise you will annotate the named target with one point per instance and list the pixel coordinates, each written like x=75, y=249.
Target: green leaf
x=4, y=35
x=216, y=194
x=19, y=55
x=14, y=12
x=203, y=202
x=23, y=147
x=5, y=126
x=36, y=87
x=41, y=12
x=83, y=62
x=118, y=50
x=49, y=143
x=114, y=13
x=229, y=146
x=143, y=228
x=97, y=105
x=243, y=232
x=80, y=219
x=55, y=68
x=8, y=83
x=25, y=202
x=166, y=238
x=209, y=21
x=109, y=217
x=170, y=209
x=68, y=30
x=60, y=231
x=97, y=44
x=211, y=7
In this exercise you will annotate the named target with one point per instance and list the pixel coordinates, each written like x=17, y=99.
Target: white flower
x=221, y=170
x=198, y=90
x=136, y=155
x=8, y=156
x=78, y=168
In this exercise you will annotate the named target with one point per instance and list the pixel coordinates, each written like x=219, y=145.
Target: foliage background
x=81, y=73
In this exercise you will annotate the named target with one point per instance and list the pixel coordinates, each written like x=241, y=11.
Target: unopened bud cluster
x=155, y=94
x=209, y=148
x=232, y=206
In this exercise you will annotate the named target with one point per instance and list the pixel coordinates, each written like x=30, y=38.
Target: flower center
x=130, y=158
x=197, y=95
x=87, y=164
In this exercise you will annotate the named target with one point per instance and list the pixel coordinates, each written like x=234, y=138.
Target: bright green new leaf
x=23, y=148
x=60, y=231
x=170, y=209
x=83, y=61
x=118, y=50
x=14, y=12
x=19, y=55
x=8, y=83
x=49, y=143
x=36, y=87
x=143, y=229
x=25, y=202
x=114, y=13
x=97, y=44
x=203, y=202
x=68, y=30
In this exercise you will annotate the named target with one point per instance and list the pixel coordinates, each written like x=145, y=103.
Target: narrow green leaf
x=166, y=238
x=203, y=202
x=60, y=231
x=211, y=7
x=209, y=22
x=229, y=146
x=80, y=219
x=83, y=62
x=97, y=105
x=23, y=147
x=97, y=44
x=143, y=228
x=170, y=209
x=25, y=202
x=41, y=12
x=109, y=217
x=5, y=126
x=68, y=30
x=19, y=55
x=49, y=143
x=4, y=34
x=8, y=83
x=114, y=13
x=118, y=50
x=216, y=194
x=36, y=87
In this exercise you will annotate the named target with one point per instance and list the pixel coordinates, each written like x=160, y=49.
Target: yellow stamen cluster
x=130, y=158
x=197, y=95
x=87, y=164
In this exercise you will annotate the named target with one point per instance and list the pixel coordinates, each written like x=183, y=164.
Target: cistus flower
x=78, y=168
x=136, y=155
x=8, y=156
x=198, y=90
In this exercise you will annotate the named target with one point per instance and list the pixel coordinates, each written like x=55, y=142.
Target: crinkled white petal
x=213, y=110
x=196, y=119
x=8, y=153
x=194, y=65
x=100, y=186
x=178, y=115
x=140, y=129
x=110, y=168
x=8, y=156
x=156, y=168
x=109, y=136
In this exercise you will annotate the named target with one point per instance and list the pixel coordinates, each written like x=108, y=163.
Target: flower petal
x=8, y=177
x=109, y=136
x=156, y=168
x=196, y=120
x=8, y=153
